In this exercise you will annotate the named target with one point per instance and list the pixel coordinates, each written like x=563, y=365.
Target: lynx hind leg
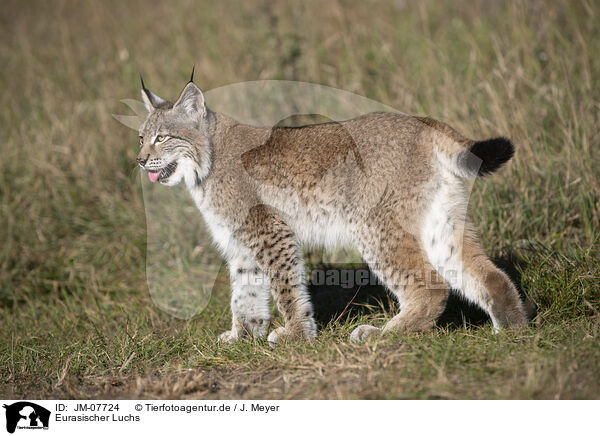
x=397, y=259
x=454, y=250
x=250, y=297
x=490, y=287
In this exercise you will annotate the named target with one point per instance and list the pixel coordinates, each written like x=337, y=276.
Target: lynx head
x=175, y=138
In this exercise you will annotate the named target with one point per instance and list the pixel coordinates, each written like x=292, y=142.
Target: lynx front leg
x=280, y=258
x=249, y=300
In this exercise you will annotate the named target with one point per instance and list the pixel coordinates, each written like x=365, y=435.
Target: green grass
x=77, y=320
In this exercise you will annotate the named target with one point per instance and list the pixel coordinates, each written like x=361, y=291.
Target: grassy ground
x=76, y=317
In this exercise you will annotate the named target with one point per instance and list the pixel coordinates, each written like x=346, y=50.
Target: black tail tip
x=485, y=157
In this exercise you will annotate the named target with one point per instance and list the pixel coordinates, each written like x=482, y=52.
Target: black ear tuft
x=192, y=76
x=150, y=100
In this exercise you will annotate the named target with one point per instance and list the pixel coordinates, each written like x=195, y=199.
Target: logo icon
x=26, y=415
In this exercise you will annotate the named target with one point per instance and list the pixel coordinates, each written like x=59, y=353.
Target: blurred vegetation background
x=76, y=317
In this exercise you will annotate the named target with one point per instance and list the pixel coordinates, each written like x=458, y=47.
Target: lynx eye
x=160, y=138
x=141, y=140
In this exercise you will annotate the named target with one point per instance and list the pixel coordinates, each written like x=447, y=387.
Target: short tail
x=464, y=157
x=484, y=157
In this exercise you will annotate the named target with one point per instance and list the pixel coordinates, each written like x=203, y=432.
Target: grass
x=76, y=316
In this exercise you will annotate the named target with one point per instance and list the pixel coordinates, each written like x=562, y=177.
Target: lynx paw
x=363, y=332
x=228, y=337
x=277, y=336
x=281, y=334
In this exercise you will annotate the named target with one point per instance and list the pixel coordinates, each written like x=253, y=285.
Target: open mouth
x=162, y=174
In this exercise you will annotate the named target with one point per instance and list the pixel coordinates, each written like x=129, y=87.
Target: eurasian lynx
x=390, y=185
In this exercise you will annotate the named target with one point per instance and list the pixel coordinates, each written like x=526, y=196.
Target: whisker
x=135, y=166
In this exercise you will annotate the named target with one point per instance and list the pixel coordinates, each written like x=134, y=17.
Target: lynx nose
x=141, y=161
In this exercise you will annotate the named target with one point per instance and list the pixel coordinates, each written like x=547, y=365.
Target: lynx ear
x=191, y=101
x=150, y=100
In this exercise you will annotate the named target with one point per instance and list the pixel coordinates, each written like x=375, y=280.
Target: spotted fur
x=393, y=186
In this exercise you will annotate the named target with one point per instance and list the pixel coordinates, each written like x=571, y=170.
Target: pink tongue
x=153, y=176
